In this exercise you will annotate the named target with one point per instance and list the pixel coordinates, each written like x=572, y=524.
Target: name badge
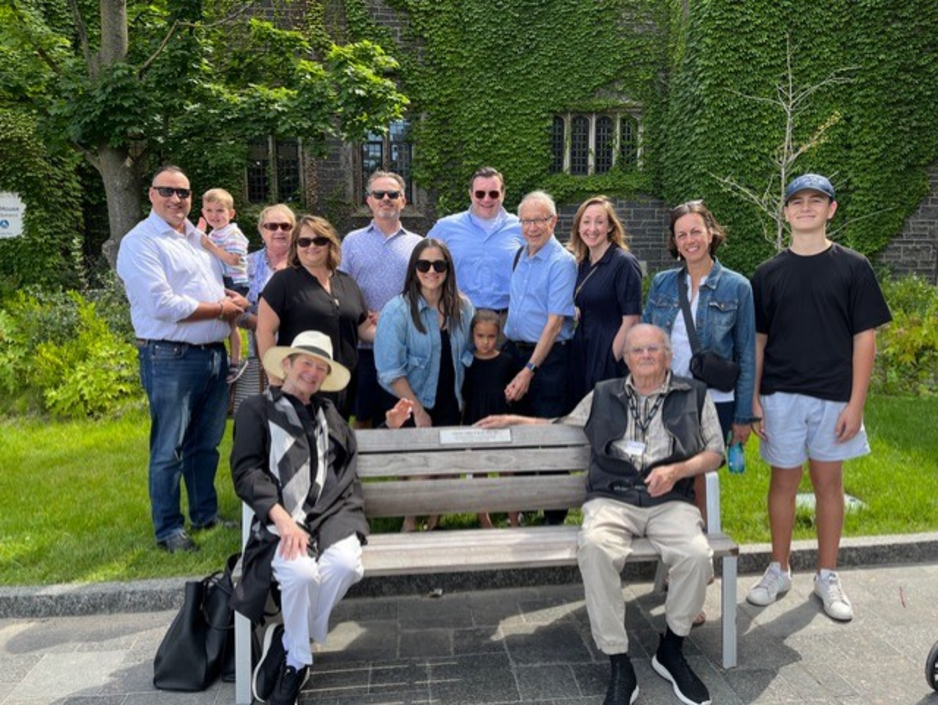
x=635, y=449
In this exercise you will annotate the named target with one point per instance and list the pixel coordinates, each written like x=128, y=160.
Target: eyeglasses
x=168, y=191
x=379, y=195
x=319, y=241
x=439, y=265
x=641, y=349
x=536, y=221
x=491, y=194
x=273, y=227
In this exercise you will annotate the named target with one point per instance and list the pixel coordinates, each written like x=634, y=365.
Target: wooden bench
x=395, y=466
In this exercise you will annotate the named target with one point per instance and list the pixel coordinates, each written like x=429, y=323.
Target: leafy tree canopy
x=131, y=84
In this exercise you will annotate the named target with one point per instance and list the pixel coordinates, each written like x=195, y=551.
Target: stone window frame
x=389, y=162
x=586, y=143
x=285, y=182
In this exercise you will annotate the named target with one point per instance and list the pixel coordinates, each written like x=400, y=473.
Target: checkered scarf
x=291, y=461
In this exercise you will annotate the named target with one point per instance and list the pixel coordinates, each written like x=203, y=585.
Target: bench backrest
x=424, y=470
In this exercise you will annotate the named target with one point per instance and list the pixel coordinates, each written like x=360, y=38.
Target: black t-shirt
x=297, y=297
x=810, y=307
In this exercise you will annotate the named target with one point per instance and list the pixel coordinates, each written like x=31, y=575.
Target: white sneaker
x=774, y=583
x=836, y=603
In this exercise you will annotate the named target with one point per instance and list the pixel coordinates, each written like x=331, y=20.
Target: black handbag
x=199, y=645
x=711, y=369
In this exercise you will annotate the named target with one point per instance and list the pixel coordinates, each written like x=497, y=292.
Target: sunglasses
x=439, y=265
x=491, y=194
x=167, y=191
x=273, y=227
x=317, y=241
x=393, y=195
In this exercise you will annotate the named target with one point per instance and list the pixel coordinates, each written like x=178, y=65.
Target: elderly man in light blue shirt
x=376, y=257
x=540, y=313
x=181, y=314
x=483, y=241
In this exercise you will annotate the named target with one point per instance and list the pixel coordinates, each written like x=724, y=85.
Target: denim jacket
x=403, y=351
x=725, y=323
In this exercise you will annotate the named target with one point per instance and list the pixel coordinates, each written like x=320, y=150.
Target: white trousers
x=604, y=543
x=309, y=589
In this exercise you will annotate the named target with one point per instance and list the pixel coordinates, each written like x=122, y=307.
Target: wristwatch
x=531, y=367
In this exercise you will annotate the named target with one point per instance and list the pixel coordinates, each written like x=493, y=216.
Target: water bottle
x=736, y=458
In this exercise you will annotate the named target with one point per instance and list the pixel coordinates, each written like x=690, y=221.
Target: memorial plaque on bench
x=474, y=436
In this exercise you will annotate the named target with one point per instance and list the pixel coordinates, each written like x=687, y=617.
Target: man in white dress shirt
x=181, y=313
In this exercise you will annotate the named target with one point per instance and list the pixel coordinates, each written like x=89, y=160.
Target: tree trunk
x=122, y=186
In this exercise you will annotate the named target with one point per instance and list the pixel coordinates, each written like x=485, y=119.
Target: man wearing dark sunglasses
x=376, y=257
x=483, y=241
x=181, y=313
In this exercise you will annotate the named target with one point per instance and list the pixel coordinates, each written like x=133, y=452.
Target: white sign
x=12, y=212
x=473, y=436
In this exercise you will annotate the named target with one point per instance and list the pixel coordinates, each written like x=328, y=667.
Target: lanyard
x=643, y=424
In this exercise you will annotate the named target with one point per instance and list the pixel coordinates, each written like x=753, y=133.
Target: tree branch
x=83, y=37
x=40, y=50
x=179, y=24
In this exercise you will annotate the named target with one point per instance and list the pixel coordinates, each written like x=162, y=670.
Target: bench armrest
x=714, y=524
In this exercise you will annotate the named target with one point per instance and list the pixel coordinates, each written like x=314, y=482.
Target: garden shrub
x=59, y=354
x=907, y=355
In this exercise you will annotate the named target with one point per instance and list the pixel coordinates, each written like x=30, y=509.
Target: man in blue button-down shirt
x=483, y=241
x=376, y=257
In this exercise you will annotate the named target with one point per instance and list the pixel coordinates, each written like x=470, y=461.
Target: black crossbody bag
x=711, y=369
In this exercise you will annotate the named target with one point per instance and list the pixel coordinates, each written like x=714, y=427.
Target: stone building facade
x=915, y=249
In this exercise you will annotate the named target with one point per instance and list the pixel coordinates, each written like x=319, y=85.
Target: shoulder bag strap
x=685, y=309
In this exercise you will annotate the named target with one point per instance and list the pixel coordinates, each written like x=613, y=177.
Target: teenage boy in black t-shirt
x=818, y=305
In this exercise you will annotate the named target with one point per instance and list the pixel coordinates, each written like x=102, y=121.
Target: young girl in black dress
x=483, y=389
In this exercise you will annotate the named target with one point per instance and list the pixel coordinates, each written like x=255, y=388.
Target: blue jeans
x=188, y=397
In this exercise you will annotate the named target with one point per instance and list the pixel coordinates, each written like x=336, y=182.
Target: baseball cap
x=809, y=182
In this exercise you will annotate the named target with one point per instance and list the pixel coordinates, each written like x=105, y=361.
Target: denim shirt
x=403, y=351
x=725, y=323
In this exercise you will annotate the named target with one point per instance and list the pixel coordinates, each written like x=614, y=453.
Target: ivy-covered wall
x=883, y=136
x=485, y=77
x=49, y=250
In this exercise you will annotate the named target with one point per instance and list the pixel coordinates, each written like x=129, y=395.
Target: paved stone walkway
x=526, y=645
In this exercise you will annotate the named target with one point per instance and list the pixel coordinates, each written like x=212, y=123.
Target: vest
x=617, y=478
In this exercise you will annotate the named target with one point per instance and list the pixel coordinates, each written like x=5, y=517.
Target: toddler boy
x=226, y=242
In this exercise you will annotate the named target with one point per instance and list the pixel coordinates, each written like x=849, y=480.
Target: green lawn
x=74, y=505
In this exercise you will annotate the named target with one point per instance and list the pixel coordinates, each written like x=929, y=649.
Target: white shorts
x=800, y=427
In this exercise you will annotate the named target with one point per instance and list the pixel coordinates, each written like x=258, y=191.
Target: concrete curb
x=154, y=595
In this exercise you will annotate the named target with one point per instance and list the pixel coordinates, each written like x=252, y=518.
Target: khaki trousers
x=675, y=529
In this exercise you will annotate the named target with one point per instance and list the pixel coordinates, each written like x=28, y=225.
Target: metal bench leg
x=661, y=575
x=242, y=660
x=728, y=591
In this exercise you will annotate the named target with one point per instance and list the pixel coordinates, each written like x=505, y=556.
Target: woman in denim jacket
x=722, y=308
x=422, y=343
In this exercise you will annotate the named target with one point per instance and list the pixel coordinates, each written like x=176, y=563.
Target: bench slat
x=469, y=550
x=460, y=496
x=502, y=460
x=428, y=439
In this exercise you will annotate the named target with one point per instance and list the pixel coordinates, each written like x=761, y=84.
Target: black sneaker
x=670, y=664
x=289, y=684
x=623, y=686
x=178, y=543
x=273, y=658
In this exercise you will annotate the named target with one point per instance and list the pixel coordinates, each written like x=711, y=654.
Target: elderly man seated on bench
x=650, y=434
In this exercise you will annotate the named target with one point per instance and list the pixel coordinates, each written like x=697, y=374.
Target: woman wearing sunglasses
x=422, y=342
x=311, y=294
x=275, y=225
